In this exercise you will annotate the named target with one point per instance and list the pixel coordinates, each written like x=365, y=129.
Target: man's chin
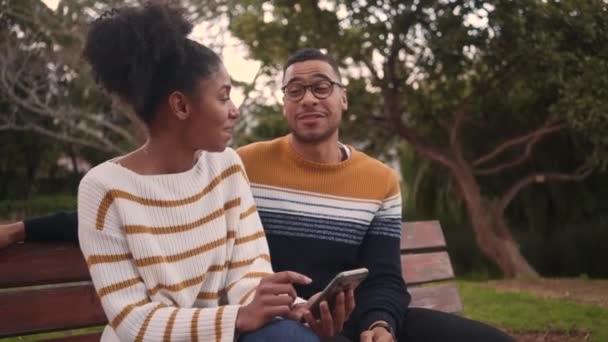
x=312, y=137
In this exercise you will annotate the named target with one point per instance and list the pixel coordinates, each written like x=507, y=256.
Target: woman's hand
x=273, y=297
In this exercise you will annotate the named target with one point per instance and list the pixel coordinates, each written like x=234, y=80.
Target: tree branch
x=530, y=138
x=542, y=177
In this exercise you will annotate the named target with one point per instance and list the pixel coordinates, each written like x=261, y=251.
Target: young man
x=326, y=208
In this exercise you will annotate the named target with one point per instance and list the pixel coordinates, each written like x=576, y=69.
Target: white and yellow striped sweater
x=172, y=257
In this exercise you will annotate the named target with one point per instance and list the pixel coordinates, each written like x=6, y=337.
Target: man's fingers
x=339, y=313
x=366, y=336
x=327, y=322
x=289, y=277
x=349, y=303
x=385, y=338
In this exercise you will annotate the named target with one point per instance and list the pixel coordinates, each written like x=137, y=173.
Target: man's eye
x=296, y=90
x=322, y=88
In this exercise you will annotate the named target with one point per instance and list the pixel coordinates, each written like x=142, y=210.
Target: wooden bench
x=46, y=287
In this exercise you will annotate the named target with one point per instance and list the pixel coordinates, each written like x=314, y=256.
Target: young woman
x=170, y=231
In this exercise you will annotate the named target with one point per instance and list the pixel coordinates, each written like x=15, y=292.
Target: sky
x=233, y=54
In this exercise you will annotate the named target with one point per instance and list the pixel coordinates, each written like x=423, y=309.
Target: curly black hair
x=142, y=54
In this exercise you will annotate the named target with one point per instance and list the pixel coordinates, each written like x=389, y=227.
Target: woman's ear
x=180, y=107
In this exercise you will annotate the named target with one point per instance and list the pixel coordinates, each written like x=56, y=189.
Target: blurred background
x=495, y=114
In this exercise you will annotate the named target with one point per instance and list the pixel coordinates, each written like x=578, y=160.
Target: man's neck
x=326, y=152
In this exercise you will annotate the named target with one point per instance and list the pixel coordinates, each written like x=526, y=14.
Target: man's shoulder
x=371, y=165
x=258, y=151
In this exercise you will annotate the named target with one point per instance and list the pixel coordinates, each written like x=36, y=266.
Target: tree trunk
x=492, y=233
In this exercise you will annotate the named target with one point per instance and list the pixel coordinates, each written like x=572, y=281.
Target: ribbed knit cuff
x=222, y=327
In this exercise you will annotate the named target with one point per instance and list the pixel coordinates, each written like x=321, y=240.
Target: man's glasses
x=322, y=89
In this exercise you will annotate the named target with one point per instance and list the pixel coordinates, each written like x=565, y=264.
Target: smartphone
x=342, y=281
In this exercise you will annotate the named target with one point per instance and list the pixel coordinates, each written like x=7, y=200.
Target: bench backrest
x=46, y=287
x=427, y=268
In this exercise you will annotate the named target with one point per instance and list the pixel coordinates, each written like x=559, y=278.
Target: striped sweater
x=321, y=219
x=173, y=256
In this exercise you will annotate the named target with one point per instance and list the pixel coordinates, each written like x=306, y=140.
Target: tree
x=46, y=86
x=471, y=86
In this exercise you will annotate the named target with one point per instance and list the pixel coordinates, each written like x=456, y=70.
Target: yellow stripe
x=141, y=229
x=248, y=212
x=177, y=287
x=251, y=237
x=237, y=264
x=104, y=291
x=169, y=328
x=194, y=325
x=246, y=276
x=115, y=194
x=109, y=258
x=102, y=259
x=199, y=279
x=208, y=295
x=218, y=323
x=144, y=326
x=246, y=296
x=121, y=316
x=143, y=262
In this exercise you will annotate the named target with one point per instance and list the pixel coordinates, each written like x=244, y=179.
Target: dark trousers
x=429, y=325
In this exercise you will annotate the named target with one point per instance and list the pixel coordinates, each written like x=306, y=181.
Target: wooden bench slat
x=421, y=235
x=41, y=263
x=442, y=297
x=426, y=267
x=57, y=308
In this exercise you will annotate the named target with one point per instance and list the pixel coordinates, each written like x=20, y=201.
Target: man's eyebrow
x=317, y=75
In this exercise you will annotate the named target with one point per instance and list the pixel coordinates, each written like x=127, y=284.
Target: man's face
x=309, y=118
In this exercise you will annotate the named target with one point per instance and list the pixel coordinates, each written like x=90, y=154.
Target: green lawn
x=38, y=337
x=517, y=312
x=524, y=312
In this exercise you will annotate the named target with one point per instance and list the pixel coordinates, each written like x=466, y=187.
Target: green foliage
x=524, y=312
x=17, y=209
x=269, y=124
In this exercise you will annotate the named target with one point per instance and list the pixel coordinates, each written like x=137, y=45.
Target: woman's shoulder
x=228, y=157
x=100, y=174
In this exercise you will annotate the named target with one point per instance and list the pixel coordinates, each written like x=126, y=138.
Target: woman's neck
x=160, y=155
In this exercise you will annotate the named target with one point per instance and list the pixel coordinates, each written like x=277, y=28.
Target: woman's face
x=213, y=115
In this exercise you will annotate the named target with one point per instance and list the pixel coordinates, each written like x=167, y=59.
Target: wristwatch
x=385, y=326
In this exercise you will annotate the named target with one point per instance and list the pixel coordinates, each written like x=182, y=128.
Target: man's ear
x=180, y=107
x=344, y=100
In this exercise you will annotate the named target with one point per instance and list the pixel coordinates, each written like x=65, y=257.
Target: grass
x=520, y=312
x=45, y=336
x=517, y=312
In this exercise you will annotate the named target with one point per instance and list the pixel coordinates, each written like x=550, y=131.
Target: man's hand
x=331, y=322
x=11, y=233
x=378, y=334
x=273, y=297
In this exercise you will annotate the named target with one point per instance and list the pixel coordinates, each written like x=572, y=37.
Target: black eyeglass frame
x=310, y=86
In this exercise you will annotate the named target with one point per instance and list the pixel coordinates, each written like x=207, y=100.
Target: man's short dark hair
x=309, y=54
